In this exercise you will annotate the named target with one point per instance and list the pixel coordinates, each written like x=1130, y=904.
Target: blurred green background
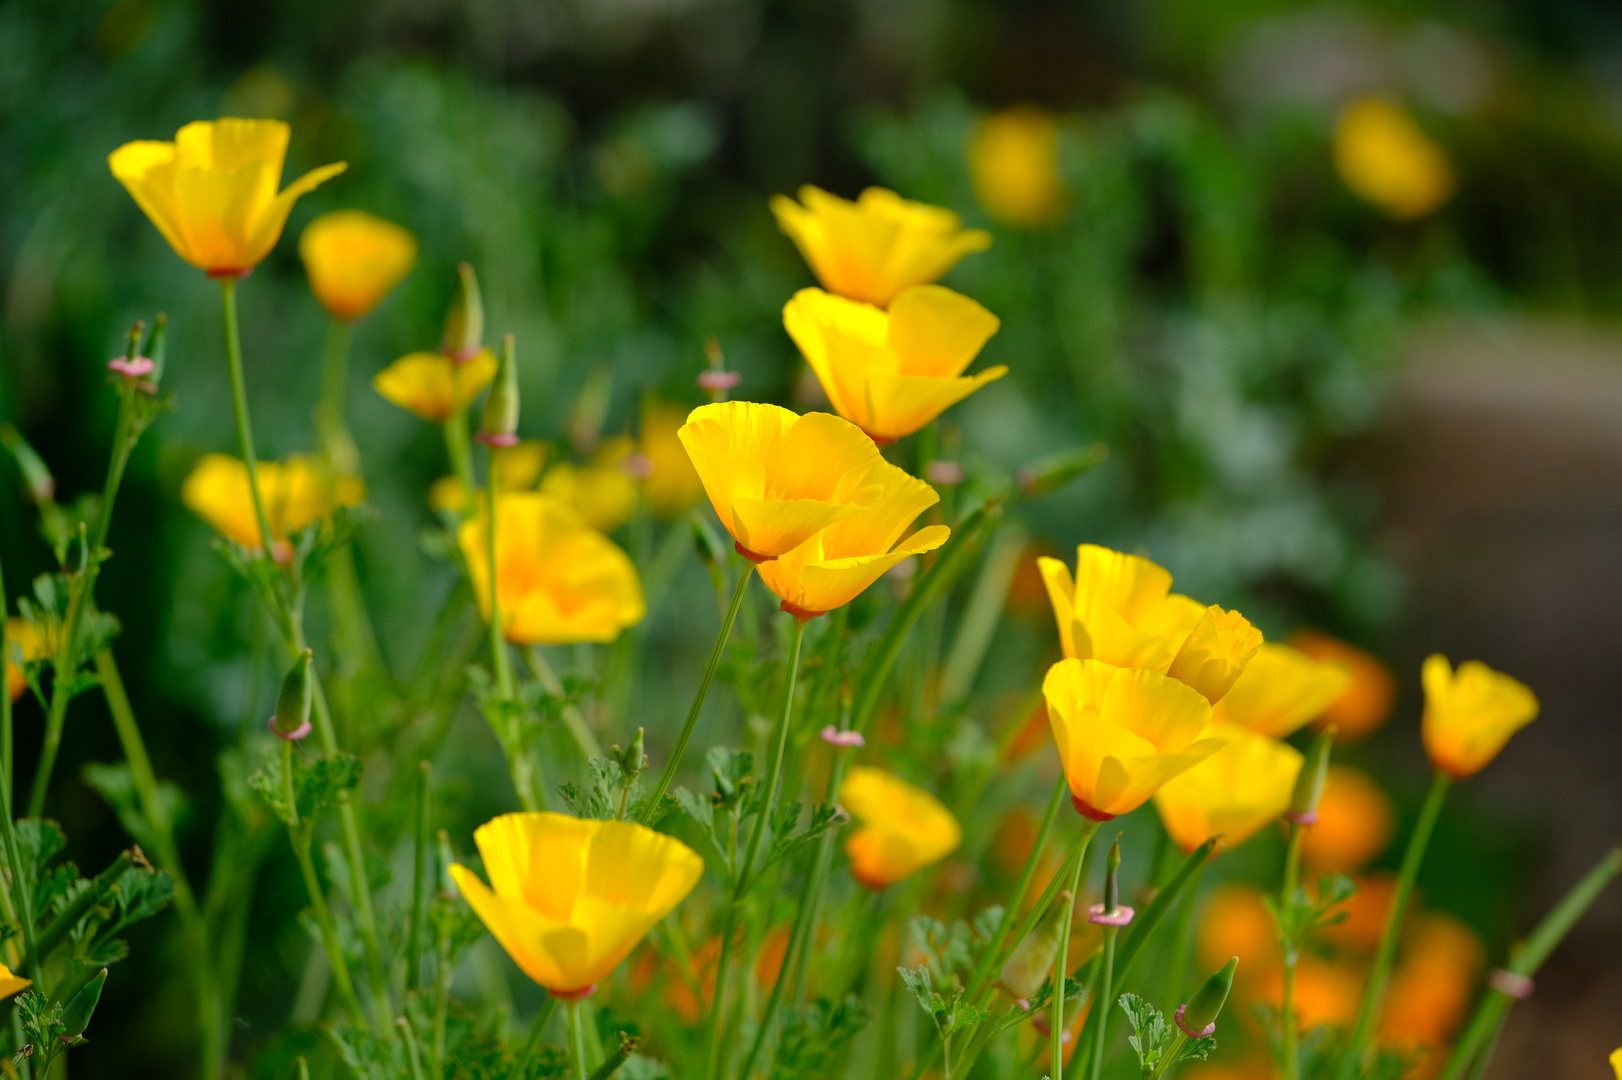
x=1215, y=306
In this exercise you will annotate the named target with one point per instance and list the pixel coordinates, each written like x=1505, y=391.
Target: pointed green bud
x=1032, y=959
x=1309, y=782
x=1112, y=884
x=464, y=322
x=633, y=760
x=81, y=1007
x=37, y=478
x=1198, y=1017
x=499, y=426
x=292, y=719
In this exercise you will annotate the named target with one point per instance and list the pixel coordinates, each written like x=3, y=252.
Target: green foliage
x=318, y=784
x=1158, y=1044
x=817, y=1038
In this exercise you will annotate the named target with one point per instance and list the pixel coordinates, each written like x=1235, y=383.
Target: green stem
x=412, y=1054
x=500, y=661
x=1292, y=948
x=300, y=836
x=1061, y=962
x=746, y=869
x=239, y=402
x=69, y=917
x=583, y=736
x=1489, y=1015
x=456, y=440
x=669, y=772
x=536, y=1031
x=982, y=971
x=329, y=412
x=1102, y=1002
x=419, y=882
x=1172, y=1053
x=1385, y=954
x=577, y=1043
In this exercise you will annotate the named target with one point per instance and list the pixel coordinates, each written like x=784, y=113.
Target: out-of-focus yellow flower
x=833, y=567
x=672, y=485
x=1387, y=159
x=1470, y=713
x=353, y=259
x=212, y=192
x=432, y=385
x=1236, y=791
x=10, y=984
x=602, y=491
x=890, y=373
x=1616, y=1062
x=296, y=491
x=20, y=638
x=1430, y=989
x=871, y=249
x=1236, y=922
x=1120, y=609
x=569, y=899
x=1367, y=701
x=1014, y=165
x=1354, y=822
x=518, y=467
x=1123, y=732
x=903, y=829
x=558, y=580
x=1281, y=689
x=776, y=478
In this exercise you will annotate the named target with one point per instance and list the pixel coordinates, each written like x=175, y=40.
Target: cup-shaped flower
x=354, y=259
x=297, y=493
x=1387, y=159
x=1123, y=733
x=602, y=491
x=902, y=828
x=432, y=385
x=1236, y=791
x=1216, y=652
x=1470, y=713
x=1014, y=165
x=871, y=249
x=1118, y=608
x=892, y=372
x=776, y=478
x=23, y=642
x=569, y=899
x=558, y=580
x=833, y=567
x=1281, y=689
x=212, y=192
x=672, y=484
x=1367, y=701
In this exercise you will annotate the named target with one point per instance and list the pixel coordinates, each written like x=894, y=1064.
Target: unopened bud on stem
x=81, y=1007
x=1032, y=959
x=464, y=322
x=499, y=426
x=1309, y=782
x=1198, y=1017
x=292, y=719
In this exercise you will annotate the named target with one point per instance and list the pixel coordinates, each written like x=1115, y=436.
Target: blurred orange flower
x=1236, y=922
x=902, y=828
x=1014, y=164
x=1325, y=992
x=1365, y=914
x=353, y=259
x=1442, y=959
x=1354, y=822
x=1366, y=704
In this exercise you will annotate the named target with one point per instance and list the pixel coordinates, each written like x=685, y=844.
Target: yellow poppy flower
x=1387, y=159
x=890, y=373
x=558, y=580
x=776, y=478
x=1014, y=165
x=1367, y=701
x=423, y=382
x=672, y=485
x=1281, y=689
x=353, y=259
x=569, y=899
x=603, y=492
x=1123, y=732
x=212, y=192
x=834, y=566
x=1470, y=713
x=903, y=828
x=518, y=467
x=1215, y=653
x=871, y=249
x=11, y=984
x=1118, y=608
x=296, y=491
x=1354, y=822
x=1236, y=791
x=20, y=637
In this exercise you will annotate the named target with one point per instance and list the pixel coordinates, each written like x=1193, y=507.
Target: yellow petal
x=296, y=492
x=23, y=642
x=672, y=485
x=430, y=384
x=903, y=828
x=1281, y=689
x=271, y=221
x=603, y=493
x=1216, y=652
x=1014, y=165
x=937, y=332
x=354, y=259
x=10, y=983
x=1236, y=791
x=1386, y=158
x=1471, y=713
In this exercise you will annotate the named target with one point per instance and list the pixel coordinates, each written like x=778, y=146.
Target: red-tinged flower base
x=573, y=995
x=1089, y=812
x=497, y=439
x=1190, y=1032
x=803, y=614
x=876, y=884
x=230, y=272
x=462, y=356
x=752, y=556
x=296, y=735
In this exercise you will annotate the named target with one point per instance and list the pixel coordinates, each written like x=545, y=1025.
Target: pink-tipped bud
x=131, y=368
x=944, y=472
x=719, y=380
x=835, y=737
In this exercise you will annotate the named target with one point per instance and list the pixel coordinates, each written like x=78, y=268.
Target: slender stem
x=1380, y=971
x=982, y=970
x=239, y=402
x=329, y=412
x=584, y=737
x=1102, y=1002
x=501, y=662
x=577, y=1042
x=300, y=836
x=669, y=772
x=21, y=889
x=412, y=1054
x=419, y=882
x=746, y=869
x=536, y=1030
x=1172, y=1053
x=1061, y=962
x=1291, y=942
x=456, y=440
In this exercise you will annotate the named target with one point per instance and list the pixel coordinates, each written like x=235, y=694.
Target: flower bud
x=1112, y=873
x=292, y=719
x=464, y=322
x=1309, y=782
x=499, y=426
x=1198, y=1017
x=81, y=1007
x=633, y=760
x=1032, y=959
x=36, y=477
x=1057, y=469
